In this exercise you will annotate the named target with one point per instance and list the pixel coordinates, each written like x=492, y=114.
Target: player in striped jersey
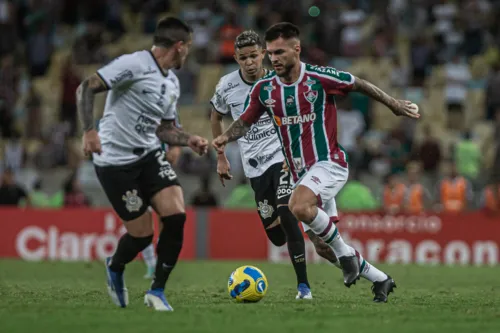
x=300, y=99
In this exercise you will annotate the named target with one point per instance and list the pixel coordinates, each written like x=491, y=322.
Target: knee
x=276, y=236
x=302, y=211
x=141, y=227
x=173, y=226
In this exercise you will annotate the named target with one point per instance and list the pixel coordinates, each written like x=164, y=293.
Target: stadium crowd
x=442, y=54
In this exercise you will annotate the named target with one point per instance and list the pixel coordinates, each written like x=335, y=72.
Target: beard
x=285, y=70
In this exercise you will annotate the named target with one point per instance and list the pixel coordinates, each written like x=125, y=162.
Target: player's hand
x=198, y=144
x=219, y=143
x=285, y=167
x=404, y=108
x=223, y=168
x=91, y=143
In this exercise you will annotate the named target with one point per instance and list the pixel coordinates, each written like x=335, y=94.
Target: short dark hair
x=285, y=30
x=171, y=30
x=247, y=38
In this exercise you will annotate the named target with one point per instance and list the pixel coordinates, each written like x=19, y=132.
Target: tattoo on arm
x=168, y=133
x=374, y=92
x=85, y=100
x=237, y=129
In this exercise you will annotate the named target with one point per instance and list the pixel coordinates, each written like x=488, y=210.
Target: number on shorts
x=283, y=178
x=165, y=167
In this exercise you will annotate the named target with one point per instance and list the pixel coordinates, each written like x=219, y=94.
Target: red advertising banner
x=69, y=234
x=82, y=234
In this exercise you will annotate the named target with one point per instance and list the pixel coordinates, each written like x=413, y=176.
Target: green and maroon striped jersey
x=304, y=114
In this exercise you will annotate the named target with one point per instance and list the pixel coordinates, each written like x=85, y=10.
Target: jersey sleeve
x=218, y=101
x=336, y=82
x=172, y=113
x=253, y=108
x=121, y=72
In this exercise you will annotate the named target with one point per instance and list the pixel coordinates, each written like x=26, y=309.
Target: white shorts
x=325, y=179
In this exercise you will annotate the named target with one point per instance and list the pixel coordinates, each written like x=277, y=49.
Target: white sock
x=370, y=272
x=149, y=256
x=328, y=232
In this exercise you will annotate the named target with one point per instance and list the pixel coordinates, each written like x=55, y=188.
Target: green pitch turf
x=64, y=297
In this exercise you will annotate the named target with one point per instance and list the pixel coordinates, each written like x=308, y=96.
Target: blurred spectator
x=73, y=194
x=351, y=35
x=429, y=154
x=14, y=154
x=421, y=59
x=70, y=80
x=394, y=193
x=351, y=125
x=475, y=19
x=492, y=89
x=356, y=196
x=398, y=150
x=9, y=80
x=457, y=77
x=468, y=157
x=88, y=49
x=11, y=194
x=455, y=192
x=227, y=34
x=40, y=199
x=204, y=197
x=399, y=75
x=242, y=196
x=39, y=50
x=34, y=121
x=491, y=198
x=417, y=198
x=8, y=28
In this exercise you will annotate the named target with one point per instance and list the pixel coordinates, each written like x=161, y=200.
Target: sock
x=328, y=232
x=128, y=248
x=168, y=248
x=276, y=235
x=370, y=272
x=149, y=256
x=295, y=243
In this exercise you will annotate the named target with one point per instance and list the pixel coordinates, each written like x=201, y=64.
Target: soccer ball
x=247, y=284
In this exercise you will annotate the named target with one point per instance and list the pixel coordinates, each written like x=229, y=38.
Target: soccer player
x=261, y=155
x=129, y=161
x=299, y=98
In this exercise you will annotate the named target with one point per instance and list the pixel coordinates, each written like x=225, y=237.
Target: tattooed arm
x=236, y=130
x=85, y=100
x=168, y=133
x=374, y=92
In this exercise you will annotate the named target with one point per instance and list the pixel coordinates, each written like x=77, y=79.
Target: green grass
x=63, y=297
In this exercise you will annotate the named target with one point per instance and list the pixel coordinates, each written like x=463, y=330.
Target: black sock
x=295, y=243
x=128, y=248
x=168, y=248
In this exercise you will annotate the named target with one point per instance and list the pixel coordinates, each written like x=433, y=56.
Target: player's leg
x=294, y=237
x=150, y=260
x=160, y=182
x=383, y=284
x=122, y=190
x=321, y=183
x=279, y=223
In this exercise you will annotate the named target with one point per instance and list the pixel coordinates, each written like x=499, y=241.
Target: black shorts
x=130, y=187
x=272, y=188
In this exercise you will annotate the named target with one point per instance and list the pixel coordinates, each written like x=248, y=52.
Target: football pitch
x=71, y=297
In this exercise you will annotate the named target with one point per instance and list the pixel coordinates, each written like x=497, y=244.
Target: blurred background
x=442, y=55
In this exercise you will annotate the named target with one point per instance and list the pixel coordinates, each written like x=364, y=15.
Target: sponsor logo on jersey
x=126, y=74
x=269, y=87
x=230, y=86
x=234, y=105
x=262, y=159
x=316, y=180
x=256, y=134
x=327, y=70
x=265, y=210
x=150, y=71
x=132, y=201
x=145, y=125
x=270, y=102
x=293, y=120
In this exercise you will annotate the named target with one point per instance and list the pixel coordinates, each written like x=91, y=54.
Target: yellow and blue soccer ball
x=247, y=284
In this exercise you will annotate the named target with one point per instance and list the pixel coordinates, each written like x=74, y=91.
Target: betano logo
x=293, y=120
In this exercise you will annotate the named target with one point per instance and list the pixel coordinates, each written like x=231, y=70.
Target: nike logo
x=145, y=91
x=236, y=104
x=299, y=256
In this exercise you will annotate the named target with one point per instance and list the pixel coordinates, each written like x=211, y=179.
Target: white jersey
x=140, y=95
x=260, y=147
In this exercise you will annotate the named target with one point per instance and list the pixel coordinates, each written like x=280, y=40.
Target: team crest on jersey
x=290, y=100
x=265, y=210
x=132, y=201
x=311, y=96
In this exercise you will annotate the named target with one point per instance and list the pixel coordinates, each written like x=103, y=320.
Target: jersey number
x=283, y=178
x=166, y=170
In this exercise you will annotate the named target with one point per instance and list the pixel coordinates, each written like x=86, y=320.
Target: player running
x=261, y=155
x=131, y=166
x=300, y=99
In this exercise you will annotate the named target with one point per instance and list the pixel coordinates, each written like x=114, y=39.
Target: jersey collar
x=165, y=74
x=251, y=83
